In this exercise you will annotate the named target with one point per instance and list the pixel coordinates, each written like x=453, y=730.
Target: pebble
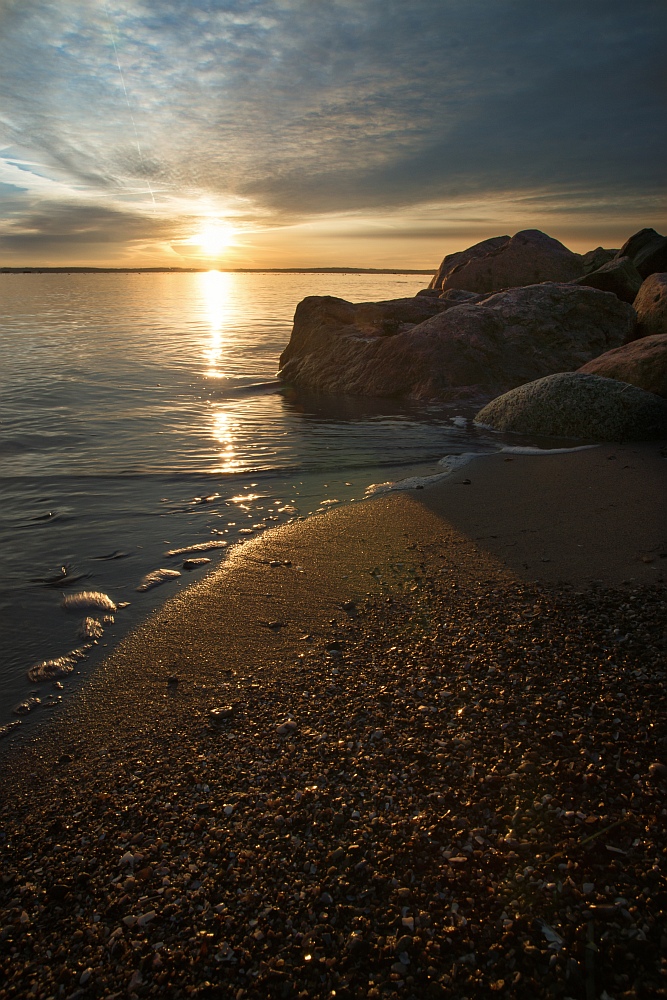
x=386, y=853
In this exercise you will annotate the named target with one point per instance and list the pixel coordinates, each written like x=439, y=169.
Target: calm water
x=140, y=413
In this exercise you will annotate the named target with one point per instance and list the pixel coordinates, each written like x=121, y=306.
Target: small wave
x=157, y=577
x=517, y=449
x=88, y=599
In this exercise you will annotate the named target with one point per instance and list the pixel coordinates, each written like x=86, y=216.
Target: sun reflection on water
x=215, y=292
x=223, y=434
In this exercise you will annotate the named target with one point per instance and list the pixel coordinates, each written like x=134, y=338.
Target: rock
x=642, y=363
x=199, y=547
x=91, y=628
x=51, y=670
x=527, y=258
x=647, y=250
x=482, y=348
x=454, y=261
x=29, y=705
x=578, y=405
x=594, y=259
x=619, y=276
x=651, y=306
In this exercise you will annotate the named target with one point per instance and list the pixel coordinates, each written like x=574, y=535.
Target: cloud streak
x=284, y=110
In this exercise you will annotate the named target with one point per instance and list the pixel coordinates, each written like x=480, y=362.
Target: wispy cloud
x=286, y=110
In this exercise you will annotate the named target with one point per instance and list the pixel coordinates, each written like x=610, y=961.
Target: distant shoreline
x=199, y=270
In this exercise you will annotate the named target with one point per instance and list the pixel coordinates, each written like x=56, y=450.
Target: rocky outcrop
x=578, y=405
x=455, y=261
x=619, y=276
x=651, y=306
x=525, y=259
x=487, y=346
x=642, y=363
x=647, y=250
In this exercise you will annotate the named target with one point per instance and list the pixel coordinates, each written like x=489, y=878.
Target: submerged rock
x=527, y=258
x=156, y=577
x=578, y=405
x=60, y=666
x=199, y=547
x=90, y=628
x=651, y=306
x=88, y=599
x=27, y=706
x=642, y=363
x=483, y=348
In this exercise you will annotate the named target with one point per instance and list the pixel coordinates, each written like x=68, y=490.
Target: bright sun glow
x=213, y=238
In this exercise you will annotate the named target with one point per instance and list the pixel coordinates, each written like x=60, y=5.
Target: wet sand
x=437, y=769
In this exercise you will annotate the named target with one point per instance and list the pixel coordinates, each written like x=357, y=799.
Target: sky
x=305, y=133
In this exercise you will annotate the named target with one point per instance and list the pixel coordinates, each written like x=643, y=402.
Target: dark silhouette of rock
x=578, y=405
x=642, y=363
x=647, y=250
x=619, y=276
x=454, y=261
x=651, y=306
x=594, y=259
x=503, y=340
x=525, y=259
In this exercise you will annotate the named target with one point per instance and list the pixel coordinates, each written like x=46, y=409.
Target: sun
x=213, y=238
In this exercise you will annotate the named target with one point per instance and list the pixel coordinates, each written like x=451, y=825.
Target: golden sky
x=287, y=133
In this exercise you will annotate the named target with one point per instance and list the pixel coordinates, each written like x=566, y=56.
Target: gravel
x=447, y=790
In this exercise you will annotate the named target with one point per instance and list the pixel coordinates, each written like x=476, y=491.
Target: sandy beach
x=415, y=747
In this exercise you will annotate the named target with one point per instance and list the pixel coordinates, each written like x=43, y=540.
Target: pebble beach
x=415, y=747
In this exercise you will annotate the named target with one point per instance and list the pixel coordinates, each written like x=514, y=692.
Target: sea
x=141, y=413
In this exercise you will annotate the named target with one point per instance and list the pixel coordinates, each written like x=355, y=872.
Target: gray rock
x=578, y=405
x=651, y=306
x=647, y=250
x=642, y=363
x=527, y=258
x=454, y=261
x=619, y=276
x=486, y=347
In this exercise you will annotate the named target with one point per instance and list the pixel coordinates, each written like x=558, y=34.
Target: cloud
x=301, y=108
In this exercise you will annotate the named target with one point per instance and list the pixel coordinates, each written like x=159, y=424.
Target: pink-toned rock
x=474, y=349
x=642, y=363
x=454, y=261
x=526, y=259
x=619, y=276
x=651, y=306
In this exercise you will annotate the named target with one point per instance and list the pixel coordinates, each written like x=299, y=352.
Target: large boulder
x=619, y=276
x=454, y=261
x=642, y=363
x=651, y=306
x=647, y=250
x=525, y=259
x=578, y=405
x=484, y=347
x=594, y=259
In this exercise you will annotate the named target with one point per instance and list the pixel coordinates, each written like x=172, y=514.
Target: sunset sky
x=286, y=133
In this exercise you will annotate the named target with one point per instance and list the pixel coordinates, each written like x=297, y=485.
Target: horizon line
x=77, y=269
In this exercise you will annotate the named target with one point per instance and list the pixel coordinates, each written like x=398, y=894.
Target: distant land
x=199, y=270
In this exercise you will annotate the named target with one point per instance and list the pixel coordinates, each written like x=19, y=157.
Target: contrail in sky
x=127, y=99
